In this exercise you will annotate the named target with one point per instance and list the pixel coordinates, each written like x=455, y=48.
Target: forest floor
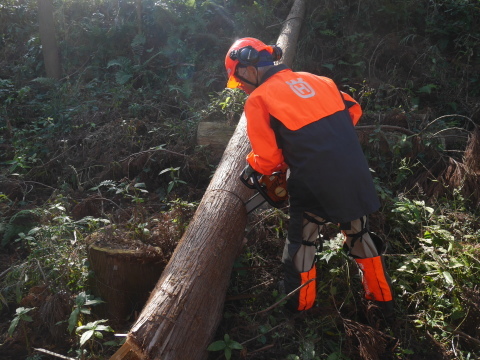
x=113, y=171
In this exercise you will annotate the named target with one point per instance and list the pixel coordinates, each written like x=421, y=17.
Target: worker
x=301, y=121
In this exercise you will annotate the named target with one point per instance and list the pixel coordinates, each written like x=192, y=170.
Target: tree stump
x=124, y=278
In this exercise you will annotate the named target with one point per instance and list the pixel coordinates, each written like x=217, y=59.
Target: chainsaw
x=270, y=188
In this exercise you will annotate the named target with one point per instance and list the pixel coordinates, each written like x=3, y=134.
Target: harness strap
x=355, y=237
x=313, y=220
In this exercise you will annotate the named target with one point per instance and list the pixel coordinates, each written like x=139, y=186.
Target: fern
x=138, y=44
x=21, y=222
x=122, y=77
x=45, y=81
x=109, y=183
x=122, y=61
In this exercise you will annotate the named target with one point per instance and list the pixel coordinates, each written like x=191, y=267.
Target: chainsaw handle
x=261, y=189
x=253, y=182
x=249, y=181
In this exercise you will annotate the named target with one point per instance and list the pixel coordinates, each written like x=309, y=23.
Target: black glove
x=248, y=171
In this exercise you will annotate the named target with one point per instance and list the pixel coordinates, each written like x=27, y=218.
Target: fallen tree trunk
x=185, y=308
x=287, y=40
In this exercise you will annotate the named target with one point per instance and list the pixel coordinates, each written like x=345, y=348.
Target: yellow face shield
x=233, y=83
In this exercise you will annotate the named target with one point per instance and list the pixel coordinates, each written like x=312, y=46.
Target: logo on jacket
x=301, y=88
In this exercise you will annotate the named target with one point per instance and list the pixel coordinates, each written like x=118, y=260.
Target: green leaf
x=334, y=356
x=235, y=345
x=164, y=171
x=13, y=325
x=448, y=277
x=86, y=336
x=21, y=310
x=94, y=302
x=83, y=327
x=159, y=147
x=139, y=39
x=217, y=345
x=121, y=61
x=104, y=328
x=81, y=299
x=228, y=353
x=263, y=329
x=3, y=300
x=110, y=343
x=427, y=89
x=27, y=318
x=122, y=77
x=72, y=320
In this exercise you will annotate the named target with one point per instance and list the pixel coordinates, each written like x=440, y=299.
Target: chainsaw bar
x=254, y=202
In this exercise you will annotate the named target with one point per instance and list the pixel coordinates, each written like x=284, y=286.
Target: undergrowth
x=432, y=260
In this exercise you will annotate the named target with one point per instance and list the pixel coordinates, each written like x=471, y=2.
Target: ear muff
x=246, y=56
x=277, y=52
x=250, y=57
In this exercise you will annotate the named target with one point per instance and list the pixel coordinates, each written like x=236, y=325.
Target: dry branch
x=447, y=174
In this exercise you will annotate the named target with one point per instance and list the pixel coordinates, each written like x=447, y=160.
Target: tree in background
x=47, y=37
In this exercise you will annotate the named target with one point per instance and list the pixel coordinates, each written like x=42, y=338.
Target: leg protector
x=297, y=273
x=367, y=248
x=376, y=283
x=375, y=280
x=299, y=260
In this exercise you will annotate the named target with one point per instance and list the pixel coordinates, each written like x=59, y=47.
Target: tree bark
x=50, y=51
x=291, y=31
x=139, y=8
x=185, y=308
x=124, y=278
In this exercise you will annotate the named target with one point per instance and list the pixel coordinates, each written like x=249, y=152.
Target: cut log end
x=128, y=351
x=124, y=278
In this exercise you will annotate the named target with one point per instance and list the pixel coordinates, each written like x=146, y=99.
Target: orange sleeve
x=354, y=108
x=266, y=157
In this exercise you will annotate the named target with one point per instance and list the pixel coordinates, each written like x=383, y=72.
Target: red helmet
x=246, y=52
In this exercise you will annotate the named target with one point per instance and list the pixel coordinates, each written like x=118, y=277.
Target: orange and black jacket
x=304, y=121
